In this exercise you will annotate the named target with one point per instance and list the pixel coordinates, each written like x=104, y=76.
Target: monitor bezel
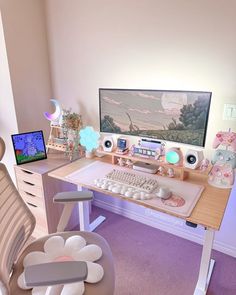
x=34, y=160
x=158, y=90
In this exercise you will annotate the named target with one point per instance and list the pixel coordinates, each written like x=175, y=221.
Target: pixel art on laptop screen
x=29, y=147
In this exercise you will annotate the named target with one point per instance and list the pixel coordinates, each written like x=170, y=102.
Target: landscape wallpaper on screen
x=179, y=116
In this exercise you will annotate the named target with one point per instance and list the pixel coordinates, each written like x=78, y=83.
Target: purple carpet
x=152, y=262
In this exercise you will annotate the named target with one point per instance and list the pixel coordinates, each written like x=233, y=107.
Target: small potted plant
x=71, y=125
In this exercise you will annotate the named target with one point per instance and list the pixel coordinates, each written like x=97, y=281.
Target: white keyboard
x=133, y=180
x=131, y=185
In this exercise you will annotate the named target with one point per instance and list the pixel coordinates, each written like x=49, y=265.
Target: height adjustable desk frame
x=85, y=225
x=84, y=210
x=208, y=212
x=206, y=265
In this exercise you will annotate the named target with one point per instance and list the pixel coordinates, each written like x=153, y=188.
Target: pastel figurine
x=204, y=164
x=161, y=171
x=121, y=162
x=131, y=150
x=170, y=172
x=129, y=163
x=157, y=154
x=226, y=139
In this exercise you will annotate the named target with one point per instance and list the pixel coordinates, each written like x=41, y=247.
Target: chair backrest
x=16, y=225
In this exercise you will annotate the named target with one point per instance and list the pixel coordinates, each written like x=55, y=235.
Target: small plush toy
x=204, y=164
x=161, y=171
x=129, y=163
x=131, y=150
x=121, y=161
x=170, y=172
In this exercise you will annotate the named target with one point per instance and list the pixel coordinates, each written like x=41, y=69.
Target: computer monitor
x=167, y=115
x=29, y=147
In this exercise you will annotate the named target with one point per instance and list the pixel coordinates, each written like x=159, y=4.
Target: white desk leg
x=84, y=216
x=84, y=212
x=84, y=209
x=207, y=264
x=96, y=222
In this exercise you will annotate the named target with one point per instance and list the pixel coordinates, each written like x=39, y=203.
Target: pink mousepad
x=184, y=194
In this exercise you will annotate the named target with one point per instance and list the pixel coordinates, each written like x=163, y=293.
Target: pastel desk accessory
x=225, y=139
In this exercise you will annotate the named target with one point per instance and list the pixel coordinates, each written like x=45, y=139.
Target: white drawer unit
x=30, y=187
x=37, y=190
x=32, y=199
x=28, y=176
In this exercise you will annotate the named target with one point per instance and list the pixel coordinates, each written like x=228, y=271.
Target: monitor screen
x=179, y=116
x=29, y=147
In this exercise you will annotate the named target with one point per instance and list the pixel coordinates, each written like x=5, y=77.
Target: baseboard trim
x=174, y=229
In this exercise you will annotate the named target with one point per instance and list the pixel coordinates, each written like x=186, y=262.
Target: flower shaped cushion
x=73, y=249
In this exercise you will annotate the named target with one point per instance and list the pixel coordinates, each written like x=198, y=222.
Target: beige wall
x=146, y=44
x=26, y=41
x=8, y=123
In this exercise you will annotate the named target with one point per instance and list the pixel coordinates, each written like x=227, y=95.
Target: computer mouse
x=164, y=193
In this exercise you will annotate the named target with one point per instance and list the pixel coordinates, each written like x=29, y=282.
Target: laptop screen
x=29, y=147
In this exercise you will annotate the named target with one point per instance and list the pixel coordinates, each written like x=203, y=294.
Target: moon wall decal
x=54, y=117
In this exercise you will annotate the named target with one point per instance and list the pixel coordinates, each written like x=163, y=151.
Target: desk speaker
x=108, y=144
x=193, y=159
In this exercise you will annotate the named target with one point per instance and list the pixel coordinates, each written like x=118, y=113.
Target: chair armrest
x=55, y=273
x=74, y=196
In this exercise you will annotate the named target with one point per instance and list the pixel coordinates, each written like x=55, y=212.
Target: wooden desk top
x=208, y=212
x=53, y=161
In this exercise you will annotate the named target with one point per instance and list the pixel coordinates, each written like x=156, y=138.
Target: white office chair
x=16, y=226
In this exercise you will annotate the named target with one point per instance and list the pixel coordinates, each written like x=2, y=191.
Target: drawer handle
x=27, y=172
x=32, y=205
x=27, y=193
x=29, y=183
